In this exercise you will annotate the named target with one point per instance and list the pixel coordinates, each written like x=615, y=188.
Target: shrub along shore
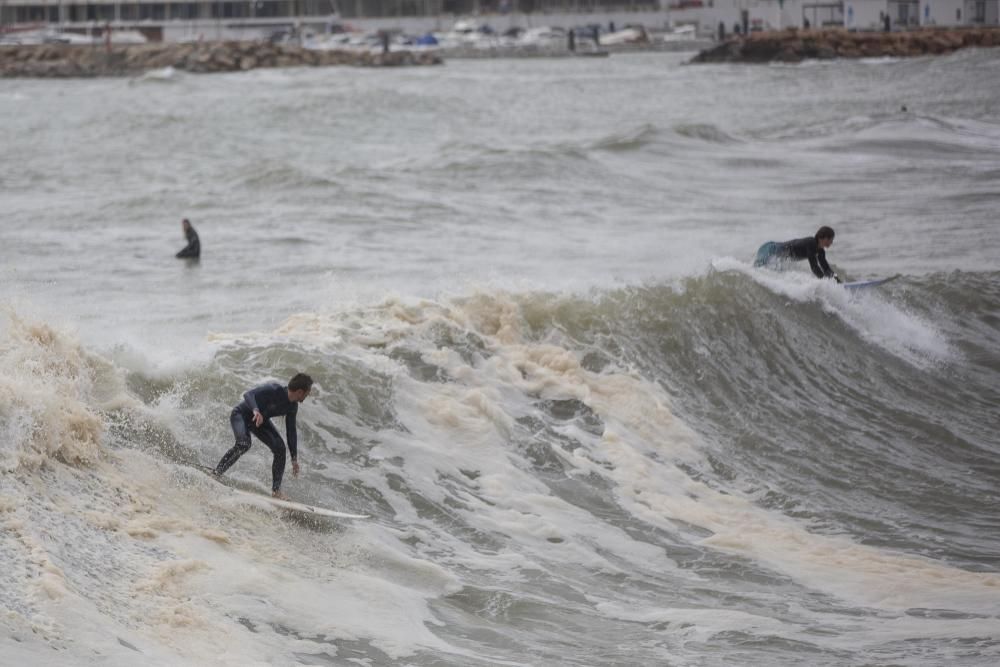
x=795, y=45
x=65, y=61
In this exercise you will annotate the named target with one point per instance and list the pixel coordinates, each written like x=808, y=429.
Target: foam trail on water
x=877, y=319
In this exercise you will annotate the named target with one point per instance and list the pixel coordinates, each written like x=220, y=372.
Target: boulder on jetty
x=65, y=60
x=794, y=45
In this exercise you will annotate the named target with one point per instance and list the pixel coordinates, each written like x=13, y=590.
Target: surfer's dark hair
x=824, y=232
x=300, y=381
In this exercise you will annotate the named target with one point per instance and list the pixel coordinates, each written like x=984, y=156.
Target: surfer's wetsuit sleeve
x=817, y=262
x=823, y=269
x=271, y=400
x=266, y=399
x=291, y=434
x=250, y=398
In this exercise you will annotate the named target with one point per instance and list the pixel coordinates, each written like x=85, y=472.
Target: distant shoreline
x=75, y=61
x=795, y=45
x=88, y=61
x=790, y=46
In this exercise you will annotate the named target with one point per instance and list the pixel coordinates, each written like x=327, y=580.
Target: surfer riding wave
x=813, y=248
x=253, y=416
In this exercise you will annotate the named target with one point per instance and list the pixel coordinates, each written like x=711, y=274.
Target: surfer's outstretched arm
x=292, y=434
x=827, y=271
x=817, y=254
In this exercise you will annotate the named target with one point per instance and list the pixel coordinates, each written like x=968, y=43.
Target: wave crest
x=46, y=387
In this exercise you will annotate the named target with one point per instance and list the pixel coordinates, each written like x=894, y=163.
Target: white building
x=850, y=14
x=212, y=19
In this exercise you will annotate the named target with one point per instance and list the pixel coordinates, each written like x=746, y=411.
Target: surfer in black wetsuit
x=812, y=248
x=253, y=415
x=193, y=249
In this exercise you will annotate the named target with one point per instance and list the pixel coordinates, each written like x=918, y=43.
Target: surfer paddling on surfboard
x=813, y=248
x=253, y=415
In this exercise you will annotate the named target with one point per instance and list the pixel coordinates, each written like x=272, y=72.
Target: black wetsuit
x=796, y=250
x=193, y=248
x=271, y=400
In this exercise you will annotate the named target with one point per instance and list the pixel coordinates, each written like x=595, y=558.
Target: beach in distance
x=584, y=428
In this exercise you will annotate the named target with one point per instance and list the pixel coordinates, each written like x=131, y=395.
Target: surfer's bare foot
x=279, y=495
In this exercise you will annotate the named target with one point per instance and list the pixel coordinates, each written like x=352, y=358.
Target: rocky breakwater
x=794, y=45
x=63, y=60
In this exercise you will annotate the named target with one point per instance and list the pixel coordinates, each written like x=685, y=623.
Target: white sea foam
x=47, y=386
x=165, y=563
x=105, y=543
x=162, y=560
x=467, y=424
x=873, y=315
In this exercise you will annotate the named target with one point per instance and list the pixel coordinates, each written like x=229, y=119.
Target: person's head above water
x=299, y=387
x=824, y=236
x=186, y=224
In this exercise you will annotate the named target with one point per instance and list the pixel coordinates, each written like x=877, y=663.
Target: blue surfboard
x=864, y=284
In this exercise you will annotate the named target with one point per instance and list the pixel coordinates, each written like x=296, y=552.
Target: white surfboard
x=260, y=499
x=296, y=507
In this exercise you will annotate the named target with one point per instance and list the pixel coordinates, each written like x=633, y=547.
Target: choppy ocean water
x=587, y=431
